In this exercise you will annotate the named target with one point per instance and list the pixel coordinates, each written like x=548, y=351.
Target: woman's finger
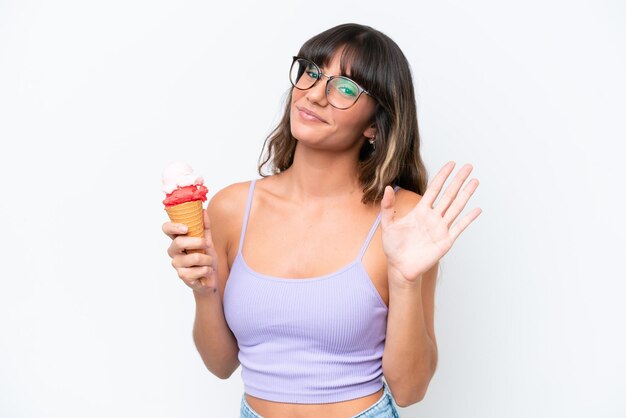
x=452, y=190
x=463, y=223
x=432, y=191
x=182, y=243
x=191, y=260
x=172, y=229
x=459, y=203
x=189, y=274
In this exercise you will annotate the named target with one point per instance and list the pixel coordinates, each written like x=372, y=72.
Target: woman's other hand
x=197, y=270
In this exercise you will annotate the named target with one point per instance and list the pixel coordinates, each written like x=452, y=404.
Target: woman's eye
x=312, y=74
x=347, y=90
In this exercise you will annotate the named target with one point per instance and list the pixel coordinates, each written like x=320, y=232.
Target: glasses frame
x=361, y=90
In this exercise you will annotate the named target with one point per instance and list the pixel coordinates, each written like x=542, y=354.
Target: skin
x=401, y=259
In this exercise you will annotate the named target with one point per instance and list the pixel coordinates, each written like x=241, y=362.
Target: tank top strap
x=247, y=214
x=372, y=230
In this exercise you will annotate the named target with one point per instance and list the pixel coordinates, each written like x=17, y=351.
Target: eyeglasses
x=341, y=92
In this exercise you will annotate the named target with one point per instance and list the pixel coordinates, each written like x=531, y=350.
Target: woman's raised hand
x=196, y=270
x=419, y=239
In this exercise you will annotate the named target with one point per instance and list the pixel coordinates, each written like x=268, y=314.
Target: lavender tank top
x=307, y=340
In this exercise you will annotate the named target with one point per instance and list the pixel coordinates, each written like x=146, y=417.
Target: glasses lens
x=342, y=92
x=303, y=74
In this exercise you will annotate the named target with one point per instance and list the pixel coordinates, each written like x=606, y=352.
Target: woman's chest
x=275, y=244
x=337, y=313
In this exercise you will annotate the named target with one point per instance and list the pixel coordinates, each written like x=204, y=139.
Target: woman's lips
x=308, y=115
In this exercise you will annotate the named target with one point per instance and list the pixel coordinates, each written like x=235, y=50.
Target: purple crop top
x=307, y=340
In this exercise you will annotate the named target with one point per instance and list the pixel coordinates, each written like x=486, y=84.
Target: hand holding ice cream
x=185, y=192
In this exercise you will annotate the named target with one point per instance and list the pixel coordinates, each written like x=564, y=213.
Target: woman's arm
x=413, y=243
x=213, y=338
x=410, y=356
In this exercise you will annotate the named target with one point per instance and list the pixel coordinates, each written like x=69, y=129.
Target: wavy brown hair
x=379, y=66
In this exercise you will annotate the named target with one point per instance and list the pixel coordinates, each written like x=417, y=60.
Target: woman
x=315, y=326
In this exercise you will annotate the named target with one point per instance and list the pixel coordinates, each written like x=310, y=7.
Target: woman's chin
x=304, y=133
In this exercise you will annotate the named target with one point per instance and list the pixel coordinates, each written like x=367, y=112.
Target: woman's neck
x=321, y=175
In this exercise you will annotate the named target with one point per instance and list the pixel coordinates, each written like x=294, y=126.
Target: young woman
x=316, y=301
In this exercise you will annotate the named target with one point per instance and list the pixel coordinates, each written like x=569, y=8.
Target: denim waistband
x=383, y=408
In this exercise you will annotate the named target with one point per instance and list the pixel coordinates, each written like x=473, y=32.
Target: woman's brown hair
x=378, y=65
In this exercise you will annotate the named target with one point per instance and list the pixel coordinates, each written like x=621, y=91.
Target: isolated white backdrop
x=97, y=97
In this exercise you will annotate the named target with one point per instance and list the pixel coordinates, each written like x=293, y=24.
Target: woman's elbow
x=404, y=402
x=409, y=397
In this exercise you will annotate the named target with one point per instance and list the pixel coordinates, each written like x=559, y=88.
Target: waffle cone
x=190, y=214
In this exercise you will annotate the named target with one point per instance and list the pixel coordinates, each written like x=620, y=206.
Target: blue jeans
x=383, y=408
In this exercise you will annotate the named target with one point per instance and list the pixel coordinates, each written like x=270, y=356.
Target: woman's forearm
x=213, y=338
x=409, y=359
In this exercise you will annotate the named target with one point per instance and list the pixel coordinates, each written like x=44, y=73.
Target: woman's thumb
x=387, y=206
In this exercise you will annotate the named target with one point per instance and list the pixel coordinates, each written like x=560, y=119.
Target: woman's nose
x=317, y=93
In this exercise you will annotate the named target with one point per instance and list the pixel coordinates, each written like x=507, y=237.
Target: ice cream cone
x=190, y=214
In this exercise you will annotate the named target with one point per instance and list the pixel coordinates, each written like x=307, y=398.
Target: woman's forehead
x=334, y=63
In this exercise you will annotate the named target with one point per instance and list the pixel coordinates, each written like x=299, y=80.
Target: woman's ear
x=370, y=132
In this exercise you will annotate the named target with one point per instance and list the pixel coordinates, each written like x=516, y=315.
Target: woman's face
x=338, y=129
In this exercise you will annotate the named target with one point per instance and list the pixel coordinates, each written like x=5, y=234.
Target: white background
x=96, y=98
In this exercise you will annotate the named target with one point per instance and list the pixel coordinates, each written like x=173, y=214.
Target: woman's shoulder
x=226, y=209
x=228, y=200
